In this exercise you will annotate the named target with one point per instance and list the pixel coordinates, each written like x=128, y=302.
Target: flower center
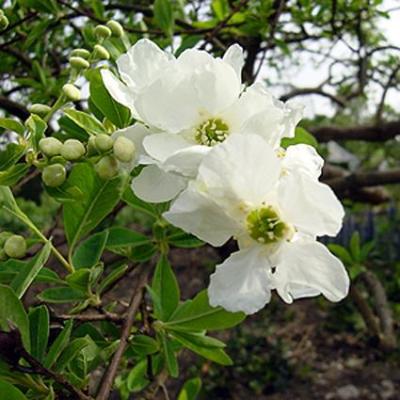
x=211, y=132
x=265, y=226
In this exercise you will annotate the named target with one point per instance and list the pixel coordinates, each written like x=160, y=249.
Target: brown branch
x=370, y=133
x=14, y=108
x=111, y=372
x=315, y=90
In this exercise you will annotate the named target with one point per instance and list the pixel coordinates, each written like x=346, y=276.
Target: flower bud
x=72, y=149
x=39, y=109
x=103, y=142
x=54, y=175
x=4, y=236
x=116, y=28
x=3, y=22
x=107, y=167
x=79, y=62
x=124, y=149
x=15, y=246
x=50, y=146
x=72, y=92
x=101, y=52
x=83, y=53
x=91, y=146
x=102, y=32
x=3, y=255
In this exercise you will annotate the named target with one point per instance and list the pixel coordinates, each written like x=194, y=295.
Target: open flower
x=275, y=207
x=195, y=101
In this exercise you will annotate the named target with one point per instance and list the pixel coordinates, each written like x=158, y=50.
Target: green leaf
x=12, y=153
x=144, y=345
x=112, y=277
x=13, y=174
x=37, y=127
x=11, y=392
x=221, y=8
x=199, y=345
x=66, y=192
x=301, y=137
x=39, y=331
x=29, y=272
x=85, y=121
x=355, y=247
x=190, y=390
x=136, y=380
x=89, y=252
x=165, y=286
x=115, y=112
x=12, y=125
x=341, y=252
x=11, y=309
x=170, y=357
x=71, y=129
x=164, y=16
x=198, y=315
x=184, y=240
x=73, y=349
x=100, y=197
x=79, y=280
x=61, y=295
x=122, y=237
x=58, y=345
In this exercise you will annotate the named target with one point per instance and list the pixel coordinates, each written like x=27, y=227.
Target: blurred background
x=342, y=60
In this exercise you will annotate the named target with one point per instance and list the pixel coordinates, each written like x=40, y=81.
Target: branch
x=316, y=90
x=14, y=108
x=369, y=133
x=111, y=372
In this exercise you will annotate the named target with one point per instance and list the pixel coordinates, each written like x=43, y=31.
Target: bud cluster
x=3, y=21
x=12, y=246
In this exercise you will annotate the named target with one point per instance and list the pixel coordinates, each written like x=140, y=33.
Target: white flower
x=195, y=101
x=275, y=207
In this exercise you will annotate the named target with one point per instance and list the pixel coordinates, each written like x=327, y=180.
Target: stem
x=58, y=104
x=108, y=378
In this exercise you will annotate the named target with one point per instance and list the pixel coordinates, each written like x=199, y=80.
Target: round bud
x=102, y=32
x=54, y=175
x=103, y=142
x=124, y=149
x=72, y=92
x=79, y=62
x=15, y=246
x=91, y=146
x=39, y=109
x=107, y=167
x=101, y=52
x=83, y=53
x=50, y=146
x=72, y=150
x=3, y=22
x=4, y=236
x=116, y=28
x=3, y=255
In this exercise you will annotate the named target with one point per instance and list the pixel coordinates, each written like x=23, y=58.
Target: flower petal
x=234, y=57
x=197, y=214
x=304, y=159
x=244, y=168
x=311, y=206
x=305, y=268
x=156, y=186
x=241, y=282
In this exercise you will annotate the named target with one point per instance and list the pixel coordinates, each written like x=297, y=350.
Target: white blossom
x=274, y=205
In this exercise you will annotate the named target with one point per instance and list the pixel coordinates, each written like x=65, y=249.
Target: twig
x=111, y=372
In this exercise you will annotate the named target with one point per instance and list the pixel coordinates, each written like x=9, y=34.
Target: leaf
x=136, y=380
x=355, y=247
x=85, y=121
x=184, y=240
x=13, y=174
x=115, y=112
x=112, y=277
x=190, y=389
x=198, y=315
x=70, y=352
x=37, y=127
x=89, y=252
x=170, y=357
x=301, y=137
x=29, y=272
x=72, y=129
x=164, y=16
x=197, y=345
x=39, y=331
x=64, y=193
x=100, y=197
x=122, y=237
x=12, y=125
x=12, y=153
x=165, y=286
x=341, y=252
x=58, y=345
x=144, y=345
x=61, y=295
x=11, y=309
x=11, y=391
x=79, y=280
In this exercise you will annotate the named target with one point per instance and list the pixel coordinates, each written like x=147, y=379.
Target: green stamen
x=211, y=132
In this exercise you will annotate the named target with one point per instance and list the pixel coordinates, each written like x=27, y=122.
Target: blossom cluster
x=213, y=148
